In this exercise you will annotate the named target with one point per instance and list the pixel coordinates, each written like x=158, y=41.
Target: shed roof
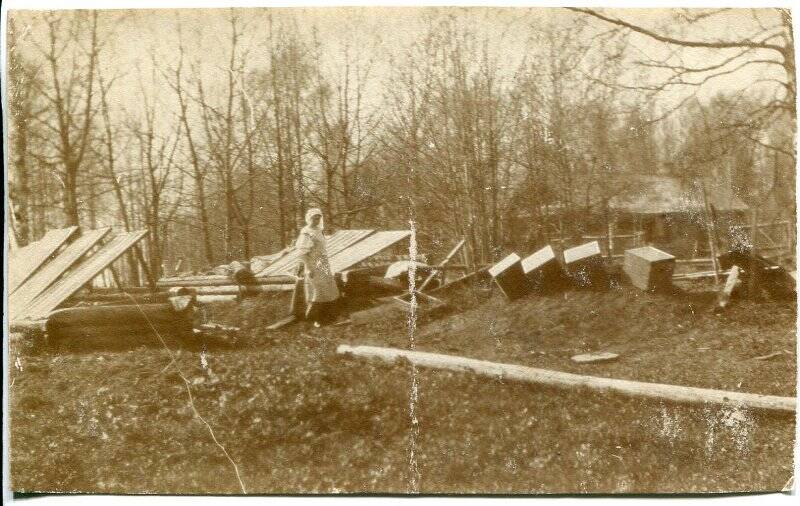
x=664, y=194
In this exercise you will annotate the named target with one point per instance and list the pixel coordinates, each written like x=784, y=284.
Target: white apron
x=320, y=285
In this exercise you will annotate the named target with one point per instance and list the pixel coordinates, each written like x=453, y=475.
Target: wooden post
x=610, y=224
x=115, y=276
x=751, y=282
x=711, y=231
x=442, y=264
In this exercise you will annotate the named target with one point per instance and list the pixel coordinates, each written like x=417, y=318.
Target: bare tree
x=70, y=95
x=26, y=107
x=157, y=180
x=198, y=168
x=770, y=45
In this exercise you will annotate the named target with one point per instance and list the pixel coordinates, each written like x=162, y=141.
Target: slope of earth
x=298, y=418
x=662, y=338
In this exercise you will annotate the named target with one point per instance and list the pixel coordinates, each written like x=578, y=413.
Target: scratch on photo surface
x=414, y=393
x=186, y=384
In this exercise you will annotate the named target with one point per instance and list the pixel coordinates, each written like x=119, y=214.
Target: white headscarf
x=315, y=212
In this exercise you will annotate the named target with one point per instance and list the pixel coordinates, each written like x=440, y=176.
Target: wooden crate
x=508, y=275
x=543, y=270
x=585, y=265
x=649, y=268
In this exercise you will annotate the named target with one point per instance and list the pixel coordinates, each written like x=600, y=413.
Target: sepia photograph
x=399, y=250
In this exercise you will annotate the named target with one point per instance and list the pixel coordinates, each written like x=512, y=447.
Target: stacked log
x=221, y=280
x=116, y=299
x=119, y=326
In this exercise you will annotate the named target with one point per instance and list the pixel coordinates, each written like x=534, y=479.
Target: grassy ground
x=296, y=417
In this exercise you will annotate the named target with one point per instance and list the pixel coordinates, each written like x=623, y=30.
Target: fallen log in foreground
x=675, y=393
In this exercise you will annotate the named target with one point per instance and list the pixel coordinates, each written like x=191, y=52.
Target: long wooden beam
x=674, y=393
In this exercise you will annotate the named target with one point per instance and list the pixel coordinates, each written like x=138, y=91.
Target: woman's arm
x=303, y=246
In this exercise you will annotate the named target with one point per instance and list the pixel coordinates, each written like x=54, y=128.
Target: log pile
x=119, y=326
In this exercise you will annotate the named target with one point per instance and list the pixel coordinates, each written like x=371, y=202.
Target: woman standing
x=320, y=285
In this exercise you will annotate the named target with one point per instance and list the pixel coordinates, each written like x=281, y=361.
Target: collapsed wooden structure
x=346, y=249
x=48, y=272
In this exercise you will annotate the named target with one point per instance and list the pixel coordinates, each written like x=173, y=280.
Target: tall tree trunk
x=70, y=192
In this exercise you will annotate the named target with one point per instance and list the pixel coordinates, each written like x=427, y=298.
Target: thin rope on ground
x=189, y=392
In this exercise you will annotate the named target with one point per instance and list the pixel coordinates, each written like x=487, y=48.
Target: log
x=206, y=299
x=103, y=290
x=220, y=280
x=122, y=299
x=131, y=314
x=664, y=392
x=117, y=337
x=103, y=325
x=727, y=290
x=244, y=290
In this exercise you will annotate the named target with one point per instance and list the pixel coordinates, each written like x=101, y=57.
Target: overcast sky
x=375, y=34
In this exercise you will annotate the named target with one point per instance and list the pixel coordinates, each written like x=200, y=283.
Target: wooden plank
x=47, y=301
x=283, y=322
x=591, y=358
x=697, y=275
x=442, y=263
x=584, y=264
x=727, y=290
x=366, y=248
x=335, y=243
x=345, y=239
x=538, y=259
x=582, y=252
x=544, y=271
x=46, y=276
x=24, y=262
x=660, y=391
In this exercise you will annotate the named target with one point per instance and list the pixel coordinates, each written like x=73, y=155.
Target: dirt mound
x=665, y=338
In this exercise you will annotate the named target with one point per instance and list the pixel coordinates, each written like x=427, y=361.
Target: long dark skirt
x=322, y=312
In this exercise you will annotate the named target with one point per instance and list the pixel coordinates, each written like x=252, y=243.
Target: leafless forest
x=510, y=293
x=216, y=129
